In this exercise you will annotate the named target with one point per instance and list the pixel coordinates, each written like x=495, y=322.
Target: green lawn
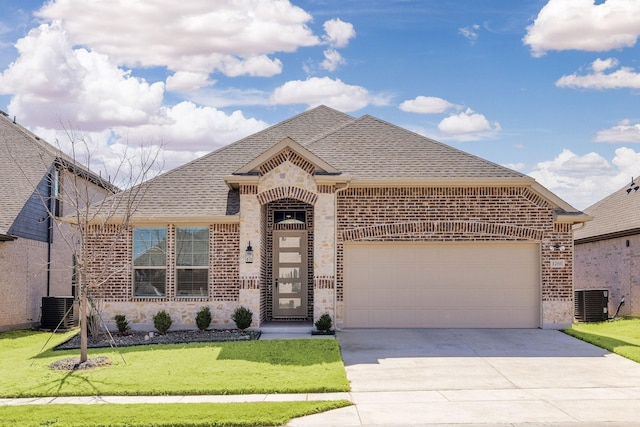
x=279, y=366
x=177, y=414
x=620, y=336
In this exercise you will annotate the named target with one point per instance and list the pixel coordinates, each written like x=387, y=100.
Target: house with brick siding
x=607, y=250
x=355, y=217
x=36, y=259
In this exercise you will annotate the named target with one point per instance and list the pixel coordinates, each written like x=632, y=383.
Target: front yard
x=280, y=366
x=621, y=336
x=275, y=367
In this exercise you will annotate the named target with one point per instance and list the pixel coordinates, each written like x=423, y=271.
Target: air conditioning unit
x=57, y=312
x=591, y=305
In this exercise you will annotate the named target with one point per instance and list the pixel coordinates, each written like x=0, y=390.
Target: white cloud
x=584, y=180
x=625, y=77
x=322, y=90
x=332, y=60
x=426, y=105
x=186, y=80
x=625, y=131
x=256, y=66
x=584, y=25
x=192, y=128
x=198, y=36
x=74, y=86
x=467, y=126
x=471, y=33
x=338, y=33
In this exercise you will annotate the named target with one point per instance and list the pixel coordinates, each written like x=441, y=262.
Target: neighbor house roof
x=365, y=151
x=26, y=160
x=616, y=215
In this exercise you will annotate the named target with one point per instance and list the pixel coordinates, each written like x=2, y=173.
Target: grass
x=279, y=366
x=620, y=336
x=176, y=414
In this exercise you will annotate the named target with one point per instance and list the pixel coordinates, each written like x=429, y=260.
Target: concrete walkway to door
x=492, y=377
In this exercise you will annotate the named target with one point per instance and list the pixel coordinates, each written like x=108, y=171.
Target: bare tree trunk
x=83, y=324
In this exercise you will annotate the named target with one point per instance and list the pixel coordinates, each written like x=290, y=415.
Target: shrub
x=203, y=318
x=162, y=321
x=324, y=323
x=243, y=317
x=122, y=324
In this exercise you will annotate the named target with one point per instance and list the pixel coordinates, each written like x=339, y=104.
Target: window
x=149, y=261
x=192, y=261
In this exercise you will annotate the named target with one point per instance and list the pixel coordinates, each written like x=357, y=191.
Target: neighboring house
x=356, y=217
x=607, y=250
x=36, y=249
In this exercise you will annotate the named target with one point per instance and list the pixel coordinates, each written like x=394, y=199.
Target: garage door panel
x=442, y=285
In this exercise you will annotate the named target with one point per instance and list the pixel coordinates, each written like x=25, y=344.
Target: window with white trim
x=192, y=261
x=149, y=261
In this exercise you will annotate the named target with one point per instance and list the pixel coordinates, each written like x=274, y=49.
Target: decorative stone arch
x=440, y=228
x=289, y=192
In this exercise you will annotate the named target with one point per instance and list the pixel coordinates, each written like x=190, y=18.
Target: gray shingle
x=617, y=213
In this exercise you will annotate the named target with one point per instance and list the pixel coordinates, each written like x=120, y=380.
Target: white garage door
x=457, y=285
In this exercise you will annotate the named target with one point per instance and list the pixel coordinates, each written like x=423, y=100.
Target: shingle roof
x=25, y=161
x=198, y=189
x=616, y=214
x=371, y=148
x=365, y=149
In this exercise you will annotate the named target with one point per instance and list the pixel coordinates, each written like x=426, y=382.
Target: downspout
x=52, y=212
x=335, y=251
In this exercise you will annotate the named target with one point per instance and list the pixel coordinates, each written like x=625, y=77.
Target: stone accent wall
x=612, y=264
x=433, y=214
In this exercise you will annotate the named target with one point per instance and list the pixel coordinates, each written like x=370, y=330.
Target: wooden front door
x=289, y=274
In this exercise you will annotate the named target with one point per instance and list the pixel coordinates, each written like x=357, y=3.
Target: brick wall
x=612, y=264
x=110, y=271
x=23, y=282
x=458, y=214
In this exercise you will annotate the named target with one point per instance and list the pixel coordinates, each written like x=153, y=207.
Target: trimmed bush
x=162, y=321
x=243, y=317
x=122, y=324
x=203, y=318
x=324, y=323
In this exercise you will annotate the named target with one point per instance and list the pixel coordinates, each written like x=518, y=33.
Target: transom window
x=289, y=217
x=192, y=261
x=149, y=261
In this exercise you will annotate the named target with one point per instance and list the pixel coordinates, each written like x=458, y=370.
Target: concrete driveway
x=482, y=376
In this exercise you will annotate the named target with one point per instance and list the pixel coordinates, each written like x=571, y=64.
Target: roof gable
x=287, y=149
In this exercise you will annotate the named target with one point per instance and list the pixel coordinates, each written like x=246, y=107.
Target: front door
x=289, y=274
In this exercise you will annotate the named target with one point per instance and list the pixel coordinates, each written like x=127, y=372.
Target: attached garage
x=442, y=285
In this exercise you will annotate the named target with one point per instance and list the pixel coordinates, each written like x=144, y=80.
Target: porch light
x=556, y=247
x=249, y=254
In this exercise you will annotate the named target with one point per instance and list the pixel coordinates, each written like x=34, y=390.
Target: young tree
x=84, y=208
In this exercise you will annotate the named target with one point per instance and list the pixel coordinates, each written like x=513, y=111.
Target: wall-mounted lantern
x=249, y=254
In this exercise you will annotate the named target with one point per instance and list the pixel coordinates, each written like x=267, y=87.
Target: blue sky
x=547, y=87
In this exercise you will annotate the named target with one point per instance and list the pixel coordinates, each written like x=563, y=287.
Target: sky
x=550, y=88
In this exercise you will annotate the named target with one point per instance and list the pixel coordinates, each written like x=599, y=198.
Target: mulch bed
x=171, y=337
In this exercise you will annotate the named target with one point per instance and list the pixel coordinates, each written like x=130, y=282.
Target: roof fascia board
x=163, y=220
x=555, y=200
x=608, y=236
x=293, y=146
x=443, y=182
